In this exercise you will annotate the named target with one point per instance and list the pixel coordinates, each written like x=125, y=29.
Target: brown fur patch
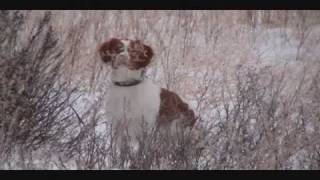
x=109, y=49
x=140, y=54
x=172, y=107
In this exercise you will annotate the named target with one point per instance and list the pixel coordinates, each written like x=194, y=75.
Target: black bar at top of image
x=159, y=4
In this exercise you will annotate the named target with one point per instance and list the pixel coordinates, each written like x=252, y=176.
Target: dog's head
x=128, y=59
x=132, y=54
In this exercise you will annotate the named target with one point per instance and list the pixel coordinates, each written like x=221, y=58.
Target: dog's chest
x=134, y=103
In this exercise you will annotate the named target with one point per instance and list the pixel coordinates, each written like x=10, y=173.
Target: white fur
x=126, y=44
x=132, y=103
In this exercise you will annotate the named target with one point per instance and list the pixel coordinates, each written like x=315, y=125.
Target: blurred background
x=252, y=76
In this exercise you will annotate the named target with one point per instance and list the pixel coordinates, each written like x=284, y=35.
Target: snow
x=236, y=45
x=299, y=161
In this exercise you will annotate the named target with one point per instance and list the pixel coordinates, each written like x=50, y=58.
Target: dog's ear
x=148, y=53
x=107, y=49
x=143, y=53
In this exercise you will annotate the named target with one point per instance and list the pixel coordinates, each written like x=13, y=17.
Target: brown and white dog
x=133, y=97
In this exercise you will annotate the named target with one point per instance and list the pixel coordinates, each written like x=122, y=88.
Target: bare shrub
x=33, y=101
x=252, y=78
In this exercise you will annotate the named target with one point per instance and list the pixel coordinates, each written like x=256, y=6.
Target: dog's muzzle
x=120, y=60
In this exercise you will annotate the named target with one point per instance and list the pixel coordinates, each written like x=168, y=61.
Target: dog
x=133, y=98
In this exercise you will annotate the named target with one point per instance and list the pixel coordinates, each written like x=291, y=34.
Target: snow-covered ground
x=272, y=47
x=189, y=51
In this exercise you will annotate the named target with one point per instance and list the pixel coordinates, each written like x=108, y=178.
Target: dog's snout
x=121, y=59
